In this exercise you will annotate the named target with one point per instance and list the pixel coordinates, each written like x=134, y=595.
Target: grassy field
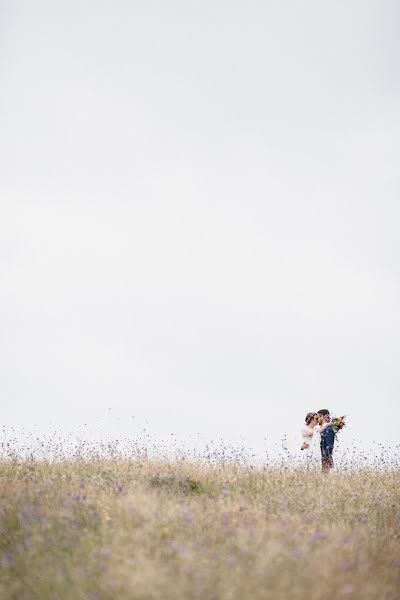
x=171, y=530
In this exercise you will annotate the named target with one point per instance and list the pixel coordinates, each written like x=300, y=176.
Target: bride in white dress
x=311, y=440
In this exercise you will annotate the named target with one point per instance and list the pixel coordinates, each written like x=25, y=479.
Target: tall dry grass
x=171, y=531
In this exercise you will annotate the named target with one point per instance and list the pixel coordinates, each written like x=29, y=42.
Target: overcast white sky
x=200, y=214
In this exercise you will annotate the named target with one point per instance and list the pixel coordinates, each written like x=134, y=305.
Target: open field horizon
x=93, y=442
x=178, y=529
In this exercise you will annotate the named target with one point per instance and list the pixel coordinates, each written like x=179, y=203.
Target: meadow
x=176, y=529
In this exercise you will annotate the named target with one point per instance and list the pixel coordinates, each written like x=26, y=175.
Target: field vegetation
x=177, y=530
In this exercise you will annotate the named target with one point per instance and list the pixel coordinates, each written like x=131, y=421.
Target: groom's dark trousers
x=327, y=444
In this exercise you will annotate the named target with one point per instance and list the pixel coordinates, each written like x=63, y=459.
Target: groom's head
x=324, y=415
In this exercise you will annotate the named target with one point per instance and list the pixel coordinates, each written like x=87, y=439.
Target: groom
x=327, y=440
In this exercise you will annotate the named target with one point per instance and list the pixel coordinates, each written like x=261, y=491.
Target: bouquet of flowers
x=338, y=423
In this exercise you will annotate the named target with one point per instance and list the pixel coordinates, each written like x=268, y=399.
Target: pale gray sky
x=200, y=213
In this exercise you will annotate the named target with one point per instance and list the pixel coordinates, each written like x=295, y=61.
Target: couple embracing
x=318, y=427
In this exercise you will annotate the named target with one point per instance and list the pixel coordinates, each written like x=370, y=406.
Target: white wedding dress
x=311, y=456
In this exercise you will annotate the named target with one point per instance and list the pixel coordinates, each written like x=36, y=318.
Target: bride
x=311, y=437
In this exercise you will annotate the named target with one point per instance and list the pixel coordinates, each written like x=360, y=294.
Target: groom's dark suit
x=327, y=443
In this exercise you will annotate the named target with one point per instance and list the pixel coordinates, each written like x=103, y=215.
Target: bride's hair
x=309, y=417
